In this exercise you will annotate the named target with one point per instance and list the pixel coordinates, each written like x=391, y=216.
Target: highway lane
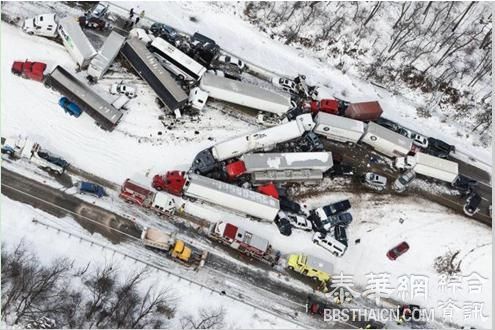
x=121, y=230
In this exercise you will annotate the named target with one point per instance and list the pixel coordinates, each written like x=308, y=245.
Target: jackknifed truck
x=175, y=248
x=430, y=166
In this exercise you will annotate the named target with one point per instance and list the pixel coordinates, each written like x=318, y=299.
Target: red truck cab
x=235, y=169
x=29, y=70
x=172, y=182
x=330, y=106
x=268, y=189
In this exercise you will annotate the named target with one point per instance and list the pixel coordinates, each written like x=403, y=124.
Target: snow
x=48, y=245
x=143, y=145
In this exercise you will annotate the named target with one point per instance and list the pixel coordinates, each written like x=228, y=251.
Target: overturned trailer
x=106, y=55
x=104, y=114
x=160, y=80
x=75, y=41
x=288, y=167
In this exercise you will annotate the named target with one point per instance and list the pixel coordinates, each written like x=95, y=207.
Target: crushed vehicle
x=374, y=181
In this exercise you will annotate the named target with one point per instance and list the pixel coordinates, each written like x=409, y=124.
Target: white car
x=419, y=140
x=99, y=11
x=226, y=59
x=141, y=34
x=300, y=222
x=41, y=25
x=329, y=243
x=374, y=181
x=120, y=88
x=287, y=85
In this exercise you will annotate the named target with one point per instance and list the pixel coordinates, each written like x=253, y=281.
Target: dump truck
x=364, y=111
x=312, y=267
x=177, y=249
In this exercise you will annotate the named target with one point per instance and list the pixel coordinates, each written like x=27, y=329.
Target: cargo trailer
x=106, y=55
x=75, y=41
x=339, y=128
x=386, y=142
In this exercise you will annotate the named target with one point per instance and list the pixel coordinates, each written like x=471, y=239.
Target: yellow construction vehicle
x=176, y=248
x=312, y=267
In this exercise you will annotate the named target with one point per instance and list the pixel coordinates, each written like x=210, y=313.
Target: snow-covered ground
x=48, y=245
x=142, y=145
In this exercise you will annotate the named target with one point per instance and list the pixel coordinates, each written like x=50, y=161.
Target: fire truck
x=243, y=241
x=160, y=202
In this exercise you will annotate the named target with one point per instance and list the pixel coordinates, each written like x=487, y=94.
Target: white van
x=42, y=25
x=329, y=243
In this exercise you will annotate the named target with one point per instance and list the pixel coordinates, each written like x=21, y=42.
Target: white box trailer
x=106, y=55
x=263, y=139
x=431, y=166
x=248, y=95
x=339, y=128
x=386, y=142
x=176, y=61
x=232, y=197
x=294, y=166
x=75, y=41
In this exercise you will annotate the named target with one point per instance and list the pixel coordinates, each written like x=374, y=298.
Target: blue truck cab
x=91, y=188
x=69, y=107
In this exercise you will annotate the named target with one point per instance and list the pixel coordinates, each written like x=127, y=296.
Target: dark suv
x=464, y=184
x=283, y=224
x=164, y=31
x=439, y=148
x=337, y=207
x=472, y=204
x=340, y=234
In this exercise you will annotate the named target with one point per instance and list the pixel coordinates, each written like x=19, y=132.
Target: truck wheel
x=314, y=278
x=30, y=33
x=158, y=188
x=290, y=268
x=316, y=242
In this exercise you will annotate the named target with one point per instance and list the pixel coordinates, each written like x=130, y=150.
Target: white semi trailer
x=231, y=197
x=386, y=142
x=244, y=94
x=339, y=128
x=75, y=41
x=263, y=139
x=106, y=55
x=287, y=167
x=428, y=165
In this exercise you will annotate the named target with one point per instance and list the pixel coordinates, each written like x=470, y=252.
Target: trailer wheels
x=158, y=188
x=290, y=268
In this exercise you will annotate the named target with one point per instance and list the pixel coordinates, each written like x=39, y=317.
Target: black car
x=338, y=207
x=164, y=31
x=439, y=148
x=341, y=169
x=53, y=159
x=340, y=234
x=203, y=39
x=283, y=224
x=471, y=207
x=387, y=124
x=464, y=184
x=289, y=206
x=204, y=53
x=204, y=163
x=93, y=23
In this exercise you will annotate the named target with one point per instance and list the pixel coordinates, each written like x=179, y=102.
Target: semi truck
x=386, y=142
x=428, y=165
x=169, y=92
x=244, y=94
x=364, y=111
x=24, y=148
x=231, y=197
x=106, y=55
x=339, y=128
x=105, y=115
x=264, y=139
x=75, y=41
x=181, y=65
x=243, y=241
x=287, y=167
x=177, y=249
x=160, y=202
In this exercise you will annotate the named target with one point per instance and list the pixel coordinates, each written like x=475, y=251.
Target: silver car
x=401, y=183
x=374, y=181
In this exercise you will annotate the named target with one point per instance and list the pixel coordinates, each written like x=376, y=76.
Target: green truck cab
x=317, y=269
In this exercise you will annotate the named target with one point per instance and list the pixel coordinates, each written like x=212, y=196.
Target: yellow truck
x=176, y=248
x=315, y=268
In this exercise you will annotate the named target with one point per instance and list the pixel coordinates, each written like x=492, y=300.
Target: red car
x=29, y=70
x=398, y=251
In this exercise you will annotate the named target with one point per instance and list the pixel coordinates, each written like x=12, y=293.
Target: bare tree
x=207, y=319
x=373, y=12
